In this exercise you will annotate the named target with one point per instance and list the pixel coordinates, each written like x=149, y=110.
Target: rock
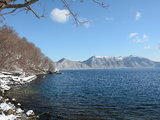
x=6, y=100
x=5, y=107
x=49, y=72
x=13, y=99
x=19, y=104
x=9, y=112
x=6, y=73
x=1, y=113
x=19, y=110
x=7, y=117
x=30, y=113
x=1, y=99
x=5, y=87
x=23, y=116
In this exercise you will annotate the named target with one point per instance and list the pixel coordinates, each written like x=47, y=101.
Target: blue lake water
x=114, y=94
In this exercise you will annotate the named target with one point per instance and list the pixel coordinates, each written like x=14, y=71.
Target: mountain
x=68, y=64
x=107, y=62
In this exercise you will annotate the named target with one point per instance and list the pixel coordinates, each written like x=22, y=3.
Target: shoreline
x=10, y=109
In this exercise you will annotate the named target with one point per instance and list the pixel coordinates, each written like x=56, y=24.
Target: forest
x=17, y=54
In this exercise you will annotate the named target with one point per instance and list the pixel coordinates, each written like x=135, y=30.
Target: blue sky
x=127, y=27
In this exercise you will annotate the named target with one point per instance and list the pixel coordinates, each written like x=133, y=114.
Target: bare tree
x=11, y=6
x=16, y=52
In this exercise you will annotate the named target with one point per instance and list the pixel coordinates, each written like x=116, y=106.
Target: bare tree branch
x=29, y=8
x=9, y=12
x=6, y=5
x=73, y=14
x=102, y=4
x=26, y=5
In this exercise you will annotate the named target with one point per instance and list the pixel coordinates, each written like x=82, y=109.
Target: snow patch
x=8, y=111
x=29, y=113
x=6, y=107
x=7, y=117
x=19, y=110
x=110, y=57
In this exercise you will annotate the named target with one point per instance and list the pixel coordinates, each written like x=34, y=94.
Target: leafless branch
x=8, y=12
x=73, y=14
x=29, y=8
x=26, y=5
x=102, y=4
x=21, y=10
x=6, y=5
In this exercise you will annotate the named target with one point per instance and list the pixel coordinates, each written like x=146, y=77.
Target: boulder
x=30, y=113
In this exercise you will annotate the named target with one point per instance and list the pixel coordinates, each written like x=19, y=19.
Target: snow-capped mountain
x=107, y=62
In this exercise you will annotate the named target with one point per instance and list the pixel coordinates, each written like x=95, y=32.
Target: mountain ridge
x=107, y=62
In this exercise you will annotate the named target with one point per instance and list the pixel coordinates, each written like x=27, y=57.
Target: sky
x=126, y=27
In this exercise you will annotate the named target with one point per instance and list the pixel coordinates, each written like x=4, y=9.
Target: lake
x=112, y=94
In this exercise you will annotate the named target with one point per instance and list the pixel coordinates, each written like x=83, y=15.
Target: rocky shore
x=9, y=108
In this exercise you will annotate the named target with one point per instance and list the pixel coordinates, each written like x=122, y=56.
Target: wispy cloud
x=141, y=39
x=135, y=37
x=60, y=15
x=153, y=47
x=131, y=35
x=138, y=16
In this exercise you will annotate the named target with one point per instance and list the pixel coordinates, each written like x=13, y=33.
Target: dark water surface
x=121, y=94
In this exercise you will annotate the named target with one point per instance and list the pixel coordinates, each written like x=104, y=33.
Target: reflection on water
x=122, y=94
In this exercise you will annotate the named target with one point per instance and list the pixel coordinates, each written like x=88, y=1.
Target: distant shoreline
x=108, y=69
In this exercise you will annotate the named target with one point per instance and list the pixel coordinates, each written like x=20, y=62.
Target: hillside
x=108, y=62
x=17, y=54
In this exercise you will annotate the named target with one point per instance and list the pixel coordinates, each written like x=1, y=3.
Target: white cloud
x=131, y=35
x=138, y=16
x=60, y=15
x=141, y=39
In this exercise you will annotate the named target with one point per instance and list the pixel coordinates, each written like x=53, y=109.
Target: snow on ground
x=29, y=113
x=8, y=79
x=7, y=117
x=5, y=107
x=9, y=111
